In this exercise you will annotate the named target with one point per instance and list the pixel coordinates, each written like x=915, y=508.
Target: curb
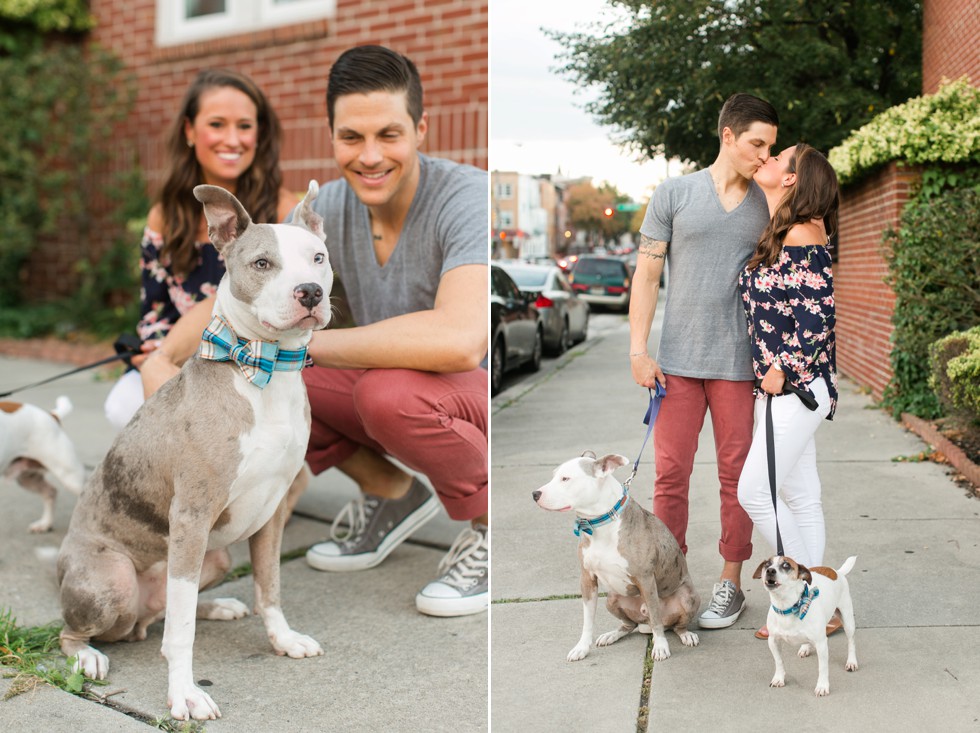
x=954, y=455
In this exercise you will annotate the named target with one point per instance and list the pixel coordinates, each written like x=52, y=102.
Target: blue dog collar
x=587, y=525
x=801, y=607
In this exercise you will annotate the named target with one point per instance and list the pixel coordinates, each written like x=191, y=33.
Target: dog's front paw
x=661, y=650
x=192, y=702
x=610, y=637
x=822, y=689
x=778, y=681
x=805, y=651
x=689, y=638
x=90, y=662
x=851, y=665
x=581, y=651
x=296, y=645
x=222, y=609
x=40, y=526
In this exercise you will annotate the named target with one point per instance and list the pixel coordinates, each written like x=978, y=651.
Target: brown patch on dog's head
x=10, y=407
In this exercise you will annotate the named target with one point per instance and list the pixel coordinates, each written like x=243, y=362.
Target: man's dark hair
x=366, y=69
x=741, y=110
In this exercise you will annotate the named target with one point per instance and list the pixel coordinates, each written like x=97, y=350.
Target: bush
x=935, y=275
x=955, y=378
x=937, y=128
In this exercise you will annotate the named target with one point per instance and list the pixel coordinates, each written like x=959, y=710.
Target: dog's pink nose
x=308, y=294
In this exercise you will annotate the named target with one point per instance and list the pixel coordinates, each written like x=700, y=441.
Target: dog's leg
x=847, y=616
x=296, y=489
x=613, y=601
x=779, y=676
x=590, y=600
x=30, y=475
x=264, y=547
x=823, y=666
x=184, y=563
x=216, y=566
x=661, y=649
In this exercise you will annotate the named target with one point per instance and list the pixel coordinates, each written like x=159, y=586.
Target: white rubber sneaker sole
x=325, y=556
x=448, y=607
x=720, y=623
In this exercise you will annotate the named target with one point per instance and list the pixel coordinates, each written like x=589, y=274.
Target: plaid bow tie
x=257, y=359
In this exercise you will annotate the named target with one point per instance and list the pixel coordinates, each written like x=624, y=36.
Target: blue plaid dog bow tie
x=257, y=359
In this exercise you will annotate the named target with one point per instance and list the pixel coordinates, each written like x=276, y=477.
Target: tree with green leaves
x=586, y=211
x=664, y=68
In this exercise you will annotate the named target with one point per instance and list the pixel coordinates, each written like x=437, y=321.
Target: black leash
x=810, y=402
x=126, y=346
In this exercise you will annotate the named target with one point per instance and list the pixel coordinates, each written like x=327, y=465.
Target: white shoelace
x=466, y=560
x=721, y=598
x=355, y=515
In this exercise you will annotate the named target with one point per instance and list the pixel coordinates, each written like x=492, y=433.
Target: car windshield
x=603, y=268
x=528, y=278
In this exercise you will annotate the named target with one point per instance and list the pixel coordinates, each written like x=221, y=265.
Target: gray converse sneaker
x=727, y=603
x=463, y=587
x=376, y=527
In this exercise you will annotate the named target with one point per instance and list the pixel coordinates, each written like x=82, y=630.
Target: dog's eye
x=261, y=264
x=566, y=478
x=318, y=258
x=785, y=566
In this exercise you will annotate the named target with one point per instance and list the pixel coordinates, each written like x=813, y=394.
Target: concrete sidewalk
x=385, y=666
x=915, y=586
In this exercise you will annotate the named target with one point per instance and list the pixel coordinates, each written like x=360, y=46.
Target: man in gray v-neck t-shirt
x=705, y=226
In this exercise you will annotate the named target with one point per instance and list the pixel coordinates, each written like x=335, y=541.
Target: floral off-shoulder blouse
x=164, y=297
x=789, y=307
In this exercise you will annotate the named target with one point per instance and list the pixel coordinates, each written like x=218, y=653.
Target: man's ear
x=422, y=127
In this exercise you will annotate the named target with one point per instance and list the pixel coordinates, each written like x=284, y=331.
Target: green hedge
x=955, y=363
x=934, y=272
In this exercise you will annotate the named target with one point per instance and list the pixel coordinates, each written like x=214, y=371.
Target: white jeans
x=801, y=523
x=124, y=399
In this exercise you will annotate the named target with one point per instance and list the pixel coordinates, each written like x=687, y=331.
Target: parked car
x=517, y=337
x=601, y=281
x=564, y=316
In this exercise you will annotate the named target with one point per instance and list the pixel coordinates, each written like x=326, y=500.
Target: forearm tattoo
x=652, y=248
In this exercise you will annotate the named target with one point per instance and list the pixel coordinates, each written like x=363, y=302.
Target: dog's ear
x=306, y=217
x=758, y=571
x=227, y=218
x=608, y=463
x=803, y=573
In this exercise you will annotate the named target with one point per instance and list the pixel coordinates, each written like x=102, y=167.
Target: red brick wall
x=950, y=42
x=447, y=40
x=864, y=302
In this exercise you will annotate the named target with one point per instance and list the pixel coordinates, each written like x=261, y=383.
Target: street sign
x=628, y=207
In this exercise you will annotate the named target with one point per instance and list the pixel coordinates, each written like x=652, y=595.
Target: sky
x=537, y=119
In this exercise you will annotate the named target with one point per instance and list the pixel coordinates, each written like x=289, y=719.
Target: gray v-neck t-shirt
x=446, y=227
x=704, y=334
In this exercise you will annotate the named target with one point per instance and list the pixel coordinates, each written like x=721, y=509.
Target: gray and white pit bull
x=629, y=550
x=205, y=462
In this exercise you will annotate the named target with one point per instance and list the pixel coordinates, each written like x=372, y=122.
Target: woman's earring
x=190, y=143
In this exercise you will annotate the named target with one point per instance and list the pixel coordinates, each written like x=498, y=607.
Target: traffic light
x=608, y=212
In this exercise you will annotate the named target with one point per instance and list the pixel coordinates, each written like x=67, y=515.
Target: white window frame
x=505, y=190
x=240, y=16
x=506, y=220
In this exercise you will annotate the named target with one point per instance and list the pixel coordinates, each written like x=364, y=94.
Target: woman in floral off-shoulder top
x=788, y=293
x=226, y=134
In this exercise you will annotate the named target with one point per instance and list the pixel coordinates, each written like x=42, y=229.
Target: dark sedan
x=515, y=326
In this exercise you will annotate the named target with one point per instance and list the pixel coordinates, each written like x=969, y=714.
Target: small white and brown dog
x=32, y=444
x=802, y=602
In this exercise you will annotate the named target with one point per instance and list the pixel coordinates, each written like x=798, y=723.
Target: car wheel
x=497, y=358
x=564, y=340
x=535, y=363
x=585, y=328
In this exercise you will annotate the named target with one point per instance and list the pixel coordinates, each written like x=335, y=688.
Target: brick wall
x=864, y=302
x=447, y=40
x=950, y=42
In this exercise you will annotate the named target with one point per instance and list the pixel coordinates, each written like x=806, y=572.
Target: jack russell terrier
x=628, y=549
x=33, y=443
x=205, y=462
x=803, y=600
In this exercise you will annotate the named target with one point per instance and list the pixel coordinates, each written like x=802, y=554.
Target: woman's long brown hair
x=257, y=188
x=815, y=195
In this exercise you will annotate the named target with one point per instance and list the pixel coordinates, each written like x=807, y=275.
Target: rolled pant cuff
x=469, y=507
x=735, y=553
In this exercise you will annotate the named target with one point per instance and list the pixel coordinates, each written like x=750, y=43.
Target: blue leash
x=653, y=408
